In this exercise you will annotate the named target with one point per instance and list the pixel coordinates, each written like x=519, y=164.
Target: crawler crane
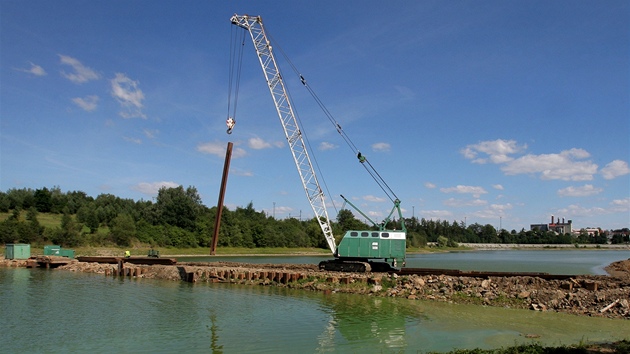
x=359, y=250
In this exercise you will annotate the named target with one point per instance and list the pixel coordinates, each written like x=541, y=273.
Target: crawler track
x=479, y=274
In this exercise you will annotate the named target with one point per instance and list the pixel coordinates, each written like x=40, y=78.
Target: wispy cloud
x=150, y=133
x=87, y=103
x=371, y=198
x=132, y=140
x=583, y=191
x=493, y=211
x=152, y=188
x=130, y=97
x=474, y=190
x=429, y=185
x=620, y=205
x=259, y=144
x=615, y=206
x=324, y=146
x=219, y=149
x=458, y=203
x=34, y=70
x=381, y=147
x=497, y=151
x=436, y=214
x=80, y=73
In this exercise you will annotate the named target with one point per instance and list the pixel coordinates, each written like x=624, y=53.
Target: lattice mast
x=314, y=193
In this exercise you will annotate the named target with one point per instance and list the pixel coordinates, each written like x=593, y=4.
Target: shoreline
x=584, y=295
x=525, y=246
x=462, y=247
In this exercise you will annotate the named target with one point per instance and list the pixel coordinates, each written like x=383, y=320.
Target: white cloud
x=150, y=133
x=474, y=190
x=80, y=74
x=436, y=214
x=497, y=186
x=381, y=147
x=497, y=151
x=458, y=203
x=562, y=166
x=583, y=191
x=239, y=172
x=615, y=169
x=429, y=185
x=153, y=187
x=577, y=210
x=34, y=70
x=258, y=144
x=374, y=214
x=616, y=206
x=493, y=211
x=568, y=165
x=280, y=211
x=88, y=103
x=620, y=205
x=219, y=149
x=371, y=198
x=324, y=146
x=133, y=140
x=130, y=97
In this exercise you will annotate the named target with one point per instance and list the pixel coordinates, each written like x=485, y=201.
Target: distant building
x=555, y=226
x=593, y=231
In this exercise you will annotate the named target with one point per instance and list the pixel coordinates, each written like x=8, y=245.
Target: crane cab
x=384, y=246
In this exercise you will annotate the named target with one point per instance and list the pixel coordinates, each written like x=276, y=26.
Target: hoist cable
x=235, y=65
x=303, y=133
x=371, y=170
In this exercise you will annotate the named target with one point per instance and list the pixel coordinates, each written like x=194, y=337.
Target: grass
x=45, y=219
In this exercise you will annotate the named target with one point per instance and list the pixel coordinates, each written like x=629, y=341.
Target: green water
x=53, y=311
x=554, y=261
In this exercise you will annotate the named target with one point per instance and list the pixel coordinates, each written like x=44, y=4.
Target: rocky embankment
x=601, y=296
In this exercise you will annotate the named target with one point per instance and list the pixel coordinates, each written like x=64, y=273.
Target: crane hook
x=230, y=122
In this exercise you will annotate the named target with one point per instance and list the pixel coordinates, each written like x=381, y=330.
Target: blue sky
x=496, y=112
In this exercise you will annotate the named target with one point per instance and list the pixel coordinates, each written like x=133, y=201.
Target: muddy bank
x=586, y=295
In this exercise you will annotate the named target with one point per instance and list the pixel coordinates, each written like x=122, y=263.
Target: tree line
x=178, y=218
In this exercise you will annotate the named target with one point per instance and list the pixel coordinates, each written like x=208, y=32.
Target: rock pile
x=584, y=295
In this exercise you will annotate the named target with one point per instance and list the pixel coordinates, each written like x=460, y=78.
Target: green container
x=66, y=253
x=52, y=250
x=18, y=251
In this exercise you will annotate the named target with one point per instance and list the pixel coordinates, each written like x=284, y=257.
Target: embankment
x=586, y=295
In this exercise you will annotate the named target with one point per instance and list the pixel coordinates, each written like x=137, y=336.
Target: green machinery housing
x=378, y=250
x=386, y=245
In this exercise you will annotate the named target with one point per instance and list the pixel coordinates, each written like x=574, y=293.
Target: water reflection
x=95, y=313
x=366, y=318
x=214, y=336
